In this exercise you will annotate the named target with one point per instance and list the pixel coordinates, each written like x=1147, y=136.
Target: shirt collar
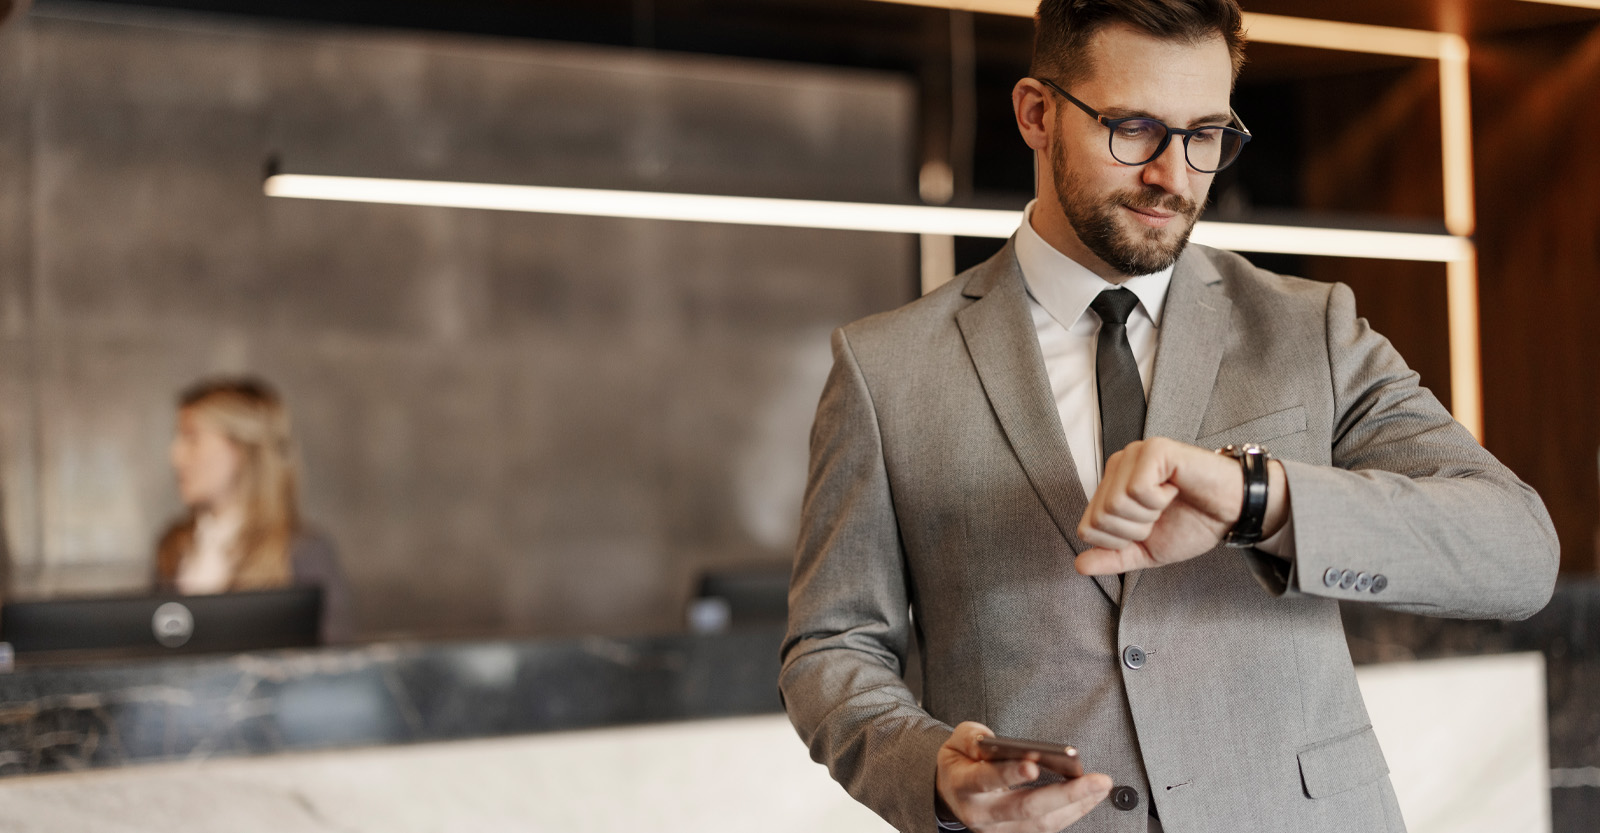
x=1065, y=288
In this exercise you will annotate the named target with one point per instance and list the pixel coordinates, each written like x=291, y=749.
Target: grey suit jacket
x=943, y=500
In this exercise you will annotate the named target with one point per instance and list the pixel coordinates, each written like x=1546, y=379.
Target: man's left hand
x=1162, y=501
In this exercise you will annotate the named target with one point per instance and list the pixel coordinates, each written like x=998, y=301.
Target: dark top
x=314, y=562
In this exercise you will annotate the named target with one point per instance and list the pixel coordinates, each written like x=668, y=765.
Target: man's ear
x=1032, y=105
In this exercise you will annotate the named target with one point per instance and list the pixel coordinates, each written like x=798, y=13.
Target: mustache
x=1155, y=198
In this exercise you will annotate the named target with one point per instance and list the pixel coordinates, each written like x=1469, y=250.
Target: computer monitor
x=751, y=595
x=163, y=623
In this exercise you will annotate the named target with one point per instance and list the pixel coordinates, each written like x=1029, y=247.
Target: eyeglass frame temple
x=1101, y=118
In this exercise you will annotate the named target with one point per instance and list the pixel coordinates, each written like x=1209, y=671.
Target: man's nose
x=1169, y=171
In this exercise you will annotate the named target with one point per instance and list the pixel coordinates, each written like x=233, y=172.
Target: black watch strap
x=1253, y=460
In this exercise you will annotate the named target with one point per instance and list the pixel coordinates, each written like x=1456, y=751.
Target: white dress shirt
x=1059, y=293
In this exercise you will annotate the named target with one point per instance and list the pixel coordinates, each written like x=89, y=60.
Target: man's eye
x=1206, y=136
x=1136, y=130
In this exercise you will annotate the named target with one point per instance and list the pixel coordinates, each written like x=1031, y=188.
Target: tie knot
x=1115, y=305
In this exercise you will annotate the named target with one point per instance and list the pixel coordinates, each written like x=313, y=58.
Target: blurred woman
x=234, y=460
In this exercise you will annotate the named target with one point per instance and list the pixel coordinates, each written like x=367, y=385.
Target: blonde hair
x=252, y=416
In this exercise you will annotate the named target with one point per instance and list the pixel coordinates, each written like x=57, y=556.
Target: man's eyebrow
x=1215, y=119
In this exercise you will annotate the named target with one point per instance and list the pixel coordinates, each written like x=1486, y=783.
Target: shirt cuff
x=943, y=817
x=1281, y=543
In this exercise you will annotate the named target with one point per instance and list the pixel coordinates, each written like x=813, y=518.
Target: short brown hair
x=1063, y=29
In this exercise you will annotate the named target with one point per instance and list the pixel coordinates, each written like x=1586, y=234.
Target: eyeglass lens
x=1137, y=141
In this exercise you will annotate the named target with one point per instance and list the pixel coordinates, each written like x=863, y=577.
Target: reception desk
x=658, y=730
x=71, y=718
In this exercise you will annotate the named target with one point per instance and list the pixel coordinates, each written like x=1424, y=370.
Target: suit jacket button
x=1379, y=582
x=1125, y=798
x=1347, y=579
x=1363, y=582
x=1133, y=656
x=1330, y=578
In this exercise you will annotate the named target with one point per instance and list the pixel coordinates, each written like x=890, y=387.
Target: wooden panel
x=1539, y=244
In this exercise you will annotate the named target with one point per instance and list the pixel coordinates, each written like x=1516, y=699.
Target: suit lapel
x=998, y=330
x=1194, y=334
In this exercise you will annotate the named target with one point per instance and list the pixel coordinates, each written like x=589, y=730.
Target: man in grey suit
x=1019, y=468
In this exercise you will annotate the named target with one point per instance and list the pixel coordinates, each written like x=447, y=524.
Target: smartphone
x=1056, y=757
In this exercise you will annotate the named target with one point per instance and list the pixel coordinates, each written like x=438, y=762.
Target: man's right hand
x=981, y=794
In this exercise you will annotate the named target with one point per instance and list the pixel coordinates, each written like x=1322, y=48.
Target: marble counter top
x=77, y=717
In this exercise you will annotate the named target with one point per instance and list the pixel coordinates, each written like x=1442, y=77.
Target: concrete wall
x=508, y=422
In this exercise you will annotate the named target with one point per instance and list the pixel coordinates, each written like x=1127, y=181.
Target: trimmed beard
x=1098, y=223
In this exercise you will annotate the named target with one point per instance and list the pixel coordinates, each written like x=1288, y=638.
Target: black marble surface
x=77, y=717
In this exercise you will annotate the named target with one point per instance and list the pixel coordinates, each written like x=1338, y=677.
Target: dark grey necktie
x=1116, y=373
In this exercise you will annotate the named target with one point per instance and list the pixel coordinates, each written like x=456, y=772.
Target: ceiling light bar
x=651, y=205
x=846, y=216
x=1274, y=28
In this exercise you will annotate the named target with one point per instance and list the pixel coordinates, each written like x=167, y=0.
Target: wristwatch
x=1253, y=459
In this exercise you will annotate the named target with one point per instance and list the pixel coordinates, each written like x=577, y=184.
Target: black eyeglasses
x=1137, y=140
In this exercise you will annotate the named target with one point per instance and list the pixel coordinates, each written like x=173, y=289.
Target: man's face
x=1137, y=219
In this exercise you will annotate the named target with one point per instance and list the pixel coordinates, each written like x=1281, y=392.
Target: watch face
x=1239, y=450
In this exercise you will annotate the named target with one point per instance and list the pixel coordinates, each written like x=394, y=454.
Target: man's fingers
x=1152, y=496
x=975, y=775
x=1039, y=808
x=965, y=737
x=1112, y=532
x=1128, y=502
x=1114, y=521
x=1000, y=776
x=1053, y=798
x=1091, y=787
x=1016, y=773
x=1105, y=562
x=1087, y=796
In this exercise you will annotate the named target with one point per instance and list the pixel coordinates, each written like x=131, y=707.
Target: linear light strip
x=1016, y=8
x=1466, y=370
x=649, y=205
x=849, y=216
x=1327, y=242
x=1347, y=37
x=1455, y=113
x=1582, y=4
x=1265, y=28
